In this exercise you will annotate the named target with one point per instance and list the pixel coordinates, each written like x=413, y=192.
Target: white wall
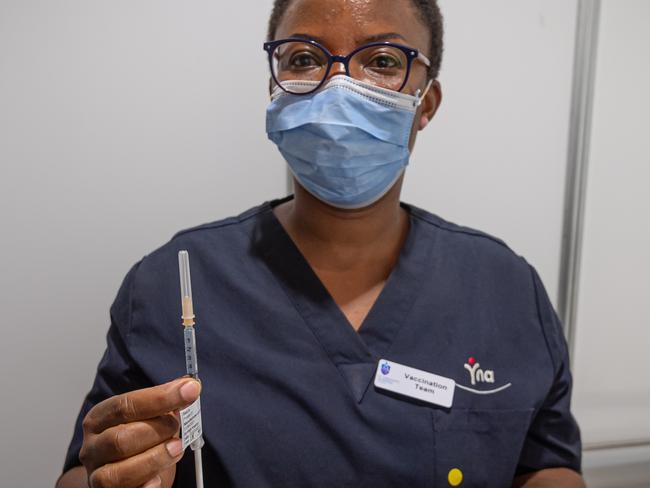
x=612, y=388
x=121, y=122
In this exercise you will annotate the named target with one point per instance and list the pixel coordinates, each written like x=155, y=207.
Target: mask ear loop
x=418, y=99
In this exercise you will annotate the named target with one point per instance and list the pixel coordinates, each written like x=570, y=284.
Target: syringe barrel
x=191, y=364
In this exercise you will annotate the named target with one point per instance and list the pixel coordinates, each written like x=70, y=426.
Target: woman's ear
x=430, y=104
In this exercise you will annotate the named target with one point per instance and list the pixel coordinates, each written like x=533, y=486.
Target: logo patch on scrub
x=477, y=375
x=385, y=368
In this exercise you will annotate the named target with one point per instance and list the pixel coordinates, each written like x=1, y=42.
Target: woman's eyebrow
x=307, y=37
x=384, y=36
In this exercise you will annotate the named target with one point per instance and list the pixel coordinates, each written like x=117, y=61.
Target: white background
x=122, y=122
x=612, y=384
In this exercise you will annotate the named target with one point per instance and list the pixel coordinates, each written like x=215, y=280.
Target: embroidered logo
x=478, y=375
x=385, y=368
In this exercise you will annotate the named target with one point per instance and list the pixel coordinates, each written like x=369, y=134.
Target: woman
x=324, y=316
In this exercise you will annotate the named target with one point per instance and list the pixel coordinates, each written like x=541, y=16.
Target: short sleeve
x=117, y=372
x=553, y=439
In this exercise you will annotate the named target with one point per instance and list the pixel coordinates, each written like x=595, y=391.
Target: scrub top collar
x=354, y=354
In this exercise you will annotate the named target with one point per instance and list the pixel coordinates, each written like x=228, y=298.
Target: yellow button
x=455, y=477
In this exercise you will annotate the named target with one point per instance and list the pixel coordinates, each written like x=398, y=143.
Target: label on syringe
x=191, y=427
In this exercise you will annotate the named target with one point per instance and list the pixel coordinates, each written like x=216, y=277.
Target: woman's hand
x=131, y=440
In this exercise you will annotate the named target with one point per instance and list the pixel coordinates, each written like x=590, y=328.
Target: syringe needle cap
x=186, y=288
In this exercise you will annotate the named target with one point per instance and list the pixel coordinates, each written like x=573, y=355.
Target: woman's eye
x=384, y=61
x=303, y=60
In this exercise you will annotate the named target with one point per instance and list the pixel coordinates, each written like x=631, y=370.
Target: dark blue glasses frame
x=411, y=54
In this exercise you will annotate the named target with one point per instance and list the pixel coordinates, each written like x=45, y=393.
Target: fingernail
x=190, y=391
x=174, y=448
x=154, y=483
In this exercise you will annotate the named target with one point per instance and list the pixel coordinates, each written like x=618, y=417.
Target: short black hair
x=429, y=13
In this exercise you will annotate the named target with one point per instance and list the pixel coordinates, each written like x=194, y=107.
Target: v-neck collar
x=354, y=353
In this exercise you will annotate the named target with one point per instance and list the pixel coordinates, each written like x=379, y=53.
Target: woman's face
x=343, y=25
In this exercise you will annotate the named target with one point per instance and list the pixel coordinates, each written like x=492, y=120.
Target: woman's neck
x=337, y=239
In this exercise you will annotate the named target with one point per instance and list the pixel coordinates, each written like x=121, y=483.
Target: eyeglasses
x=384, y=64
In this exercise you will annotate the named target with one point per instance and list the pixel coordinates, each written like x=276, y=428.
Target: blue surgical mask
x=347, y=143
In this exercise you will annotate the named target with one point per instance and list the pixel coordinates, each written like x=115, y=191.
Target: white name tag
x=415, y=383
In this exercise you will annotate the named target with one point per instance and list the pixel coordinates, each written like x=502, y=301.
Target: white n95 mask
x=346, y=144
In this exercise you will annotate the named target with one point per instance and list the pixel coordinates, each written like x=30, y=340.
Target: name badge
x=415, y=383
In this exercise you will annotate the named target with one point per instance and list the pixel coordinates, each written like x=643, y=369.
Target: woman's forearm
x=550, y=478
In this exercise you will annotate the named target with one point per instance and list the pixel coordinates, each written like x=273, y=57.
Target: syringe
x=191, y=364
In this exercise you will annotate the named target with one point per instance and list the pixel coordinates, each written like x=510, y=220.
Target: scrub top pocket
x=478, y=447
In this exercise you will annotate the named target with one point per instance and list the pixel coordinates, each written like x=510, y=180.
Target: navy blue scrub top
x=288, y=396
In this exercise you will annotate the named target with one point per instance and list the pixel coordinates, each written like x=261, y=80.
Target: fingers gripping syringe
x=191, y=364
